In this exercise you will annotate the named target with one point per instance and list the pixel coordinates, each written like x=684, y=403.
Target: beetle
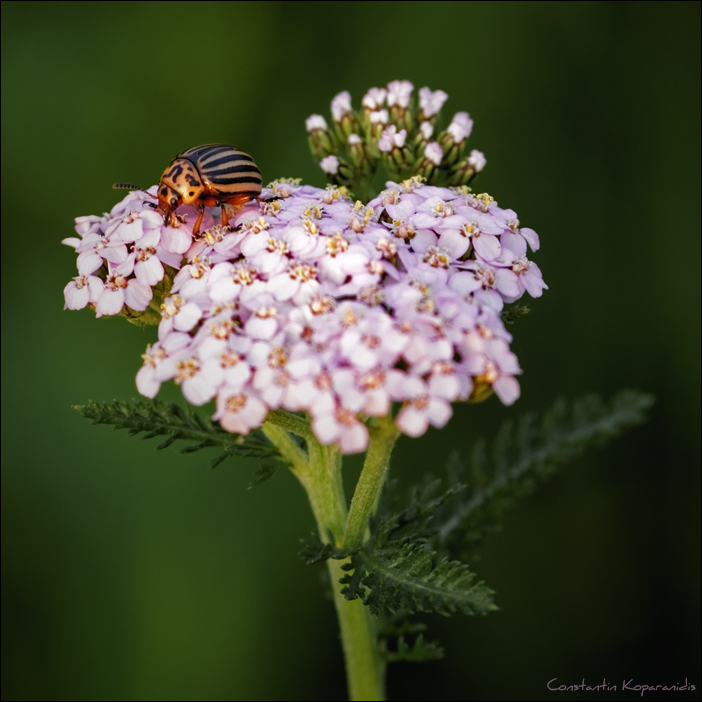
x=207, y=176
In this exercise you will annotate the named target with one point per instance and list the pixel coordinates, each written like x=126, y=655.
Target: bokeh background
x=135, y=575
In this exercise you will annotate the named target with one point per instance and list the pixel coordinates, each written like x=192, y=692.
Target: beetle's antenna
x=131, y=186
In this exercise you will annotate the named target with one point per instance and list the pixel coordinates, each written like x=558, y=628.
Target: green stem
x=365, y=671
x=292, y=422
x=288, y=448
x=320, y=475
x=367, y=493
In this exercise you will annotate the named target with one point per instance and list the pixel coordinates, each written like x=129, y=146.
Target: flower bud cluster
x=312, y=302
x=392, y=129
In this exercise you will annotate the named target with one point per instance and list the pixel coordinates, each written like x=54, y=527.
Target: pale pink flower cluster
x=314, y=303
x=121, y=255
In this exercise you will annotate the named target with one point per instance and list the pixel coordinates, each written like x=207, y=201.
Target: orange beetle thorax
x=180, y=184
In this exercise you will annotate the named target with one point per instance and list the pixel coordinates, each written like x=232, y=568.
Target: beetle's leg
x=196, y=228
x=237, y=201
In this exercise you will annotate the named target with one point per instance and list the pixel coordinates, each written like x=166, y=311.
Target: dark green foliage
x=510, y=315
x=263, y=473
x=525, y=454
x=400, y=639
x=408, y=576
x=406, y=566
x=156, y=418
x=416, y=651
x=395, y=572
x=314, y=551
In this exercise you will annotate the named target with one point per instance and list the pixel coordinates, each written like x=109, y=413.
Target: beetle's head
x=168, y=201
x=183, y=177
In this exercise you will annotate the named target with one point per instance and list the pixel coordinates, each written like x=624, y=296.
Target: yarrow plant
x=323, y=325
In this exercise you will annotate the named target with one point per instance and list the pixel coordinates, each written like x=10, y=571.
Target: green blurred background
x=129, y=574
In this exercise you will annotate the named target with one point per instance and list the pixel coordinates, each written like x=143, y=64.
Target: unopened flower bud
x=466, y=169
x=372, y=102
x=330, y=165
x=360, y=158
x=453, y=139
x=430, y=161
x=321, y=140
x=377, y=121
x=339, y=171
x=430, y=103
x=399, y=98
x=397, y=155
x=461, y=126
x=392, y=138
x=434, y=153
x=477, y=160
x=314, y=122
x=341, y=105
x=344, y=117
x=374, y=99
x=423, y=135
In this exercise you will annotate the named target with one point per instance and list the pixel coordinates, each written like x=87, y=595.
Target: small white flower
x=433, y=152
x=392, y=138
x=379, y=117
x=400, y=93
x=341, y=105
x=330, y=164
x=477, y=160
x=431, y=102
x=461, y=126
x=316, y=122
x=374, y=98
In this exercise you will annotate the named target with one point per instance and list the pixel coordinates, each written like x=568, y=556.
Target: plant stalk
x=370, y=484
x=319, y=471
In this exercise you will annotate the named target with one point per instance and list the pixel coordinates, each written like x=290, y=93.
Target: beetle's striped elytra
x=208, y=176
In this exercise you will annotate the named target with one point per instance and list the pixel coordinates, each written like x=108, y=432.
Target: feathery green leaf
x=510, y=315
x=402, y=639
x=417, y=651
x=410, y=577
x=526, y=455
x=314, y=551
x=157, y=418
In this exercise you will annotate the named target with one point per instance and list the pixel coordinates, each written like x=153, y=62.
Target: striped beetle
x=209, y=175
x=206, y=176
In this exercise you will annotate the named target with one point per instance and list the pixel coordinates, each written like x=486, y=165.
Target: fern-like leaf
x=414, y=651
x=402, y=639
x=529, y=453
x=410, y=577
x=154, y=418
x=511, y=315
x=314, y=551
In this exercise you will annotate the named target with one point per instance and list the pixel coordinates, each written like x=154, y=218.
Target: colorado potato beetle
x=207, y=176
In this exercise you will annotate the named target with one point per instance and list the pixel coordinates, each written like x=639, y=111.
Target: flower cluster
x=315, y=303
x=312, y=302
x=122, y=254
x=392, y=129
